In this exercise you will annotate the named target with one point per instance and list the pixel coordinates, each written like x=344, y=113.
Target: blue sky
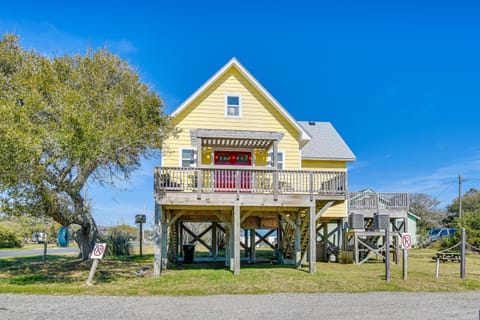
x=400, y=81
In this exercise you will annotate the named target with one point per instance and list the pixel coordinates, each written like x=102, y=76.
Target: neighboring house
x=242, y=161
x=412, y=227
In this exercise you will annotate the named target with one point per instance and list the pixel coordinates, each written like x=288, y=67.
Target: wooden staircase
x=289, y=238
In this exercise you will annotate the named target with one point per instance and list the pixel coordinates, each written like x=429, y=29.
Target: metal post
x=387, y=254
x=405, y=264
x=460, y=198
x=92, y=272
x=462, y=259
x=437, y=268
x=141, y=238
x=45, y=250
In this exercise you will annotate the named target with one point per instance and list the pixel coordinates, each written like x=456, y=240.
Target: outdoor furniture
x=447, y=256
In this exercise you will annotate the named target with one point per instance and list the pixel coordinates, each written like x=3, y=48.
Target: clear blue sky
x=400, y=80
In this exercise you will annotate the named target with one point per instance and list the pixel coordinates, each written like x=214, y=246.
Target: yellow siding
x=207, y=155
x=208, y=112
x=324, y=165
x=261, y=158
x=336, y=211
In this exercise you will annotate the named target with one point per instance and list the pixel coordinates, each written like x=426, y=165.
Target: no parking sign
x=406, y=241
x=98, y=251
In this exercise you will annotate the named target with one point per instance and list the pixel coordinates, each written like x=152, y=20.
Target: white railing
x=210, y=180
x=384, y=200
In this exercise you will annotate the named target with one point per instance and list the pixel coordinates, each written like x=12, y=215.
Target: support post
x=355, y=247
x=298, y=244
x=462, y=258
x=253, y=257
x=158, y=237
x=228, y=242
x=312, y=239
x=275, y=173
x=387, y=254
x=437, y=268
x=214, y=241
x=180, y=241
x=246, y=237
x=325, y=241
x=164, y=225
x=405, y=253
x=236, y=239
x=179, y=233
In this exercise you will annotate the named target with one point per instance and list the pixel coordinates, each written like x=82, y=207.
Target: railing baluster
x=203, y=180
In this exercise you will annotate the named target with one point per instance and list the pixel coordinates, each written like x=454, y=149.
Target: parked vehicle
x=439, y=233
x=39, y=236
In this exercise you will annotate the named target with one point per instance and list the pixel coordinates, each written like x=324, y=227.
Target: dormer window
x=233, y=103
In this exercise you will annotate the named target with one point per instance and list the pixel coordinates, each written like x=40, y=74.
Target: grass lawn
x=116, y=276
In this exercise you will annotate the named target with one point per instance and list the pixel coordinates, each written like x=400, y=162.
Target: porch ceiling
x=235, y=138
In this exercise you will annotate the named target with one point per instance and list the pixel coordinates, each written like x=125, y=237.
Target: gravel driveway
x=379, y=305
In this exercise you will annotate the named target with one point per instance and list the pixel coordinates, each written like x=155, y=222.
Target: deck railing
x=211, y=180
x=384, y=200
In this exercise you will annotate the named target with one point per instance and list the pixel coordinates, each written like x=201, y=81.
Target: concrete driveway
x=372, y=306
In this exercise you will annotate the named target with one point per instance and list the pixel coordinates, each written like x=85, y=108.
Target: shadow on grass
x=220, y=265
x=66, y=269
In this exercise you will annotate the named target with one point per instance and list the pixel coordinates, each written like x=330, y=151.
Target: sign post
x=406, y=244
x=141, y=219
x=96, y=255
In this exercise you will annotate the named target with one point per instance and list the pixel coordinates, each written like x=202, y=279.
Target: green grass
x=116, y=276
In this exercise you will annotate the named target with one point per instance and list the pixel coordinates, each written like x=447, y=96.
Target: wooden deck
x=368, y=204
x=252, y=186
x=293, y=202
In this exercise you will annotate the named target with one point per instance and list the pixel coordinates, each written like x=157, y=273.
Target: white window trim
x=269, y=159
x=180, y=156
x=239, y=105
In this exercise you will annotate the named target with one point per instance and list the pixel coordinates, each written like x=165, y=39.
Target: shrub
x=9, y=239
x=117, y=243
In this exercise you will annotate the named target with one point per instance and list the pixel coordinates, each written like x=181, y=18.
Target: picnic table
x=447, y=256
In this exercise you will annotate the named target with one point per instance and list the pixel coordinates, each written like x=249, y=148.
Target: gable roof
x=326, y=143
x=413, y=216
x=233, y=63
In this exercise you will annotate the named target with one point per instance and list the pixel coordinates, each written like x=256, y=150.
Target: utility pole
x=463, y=234
x=460, y=198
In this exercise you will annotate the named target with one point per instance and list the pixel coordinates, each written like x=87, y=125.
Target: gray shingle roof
x=326, y=143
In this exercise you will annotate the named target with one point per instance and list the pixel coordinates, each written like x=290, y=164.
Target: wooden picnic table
x=447, y=256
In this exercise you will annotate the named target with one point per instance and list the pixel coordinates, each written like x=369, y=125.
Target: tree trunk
x=87, y=236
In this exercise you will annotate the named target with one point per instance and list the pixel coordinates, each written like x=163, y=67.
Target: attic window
x=232, y=106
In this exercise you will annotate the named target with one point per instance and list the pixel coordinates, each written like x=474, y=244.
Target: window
x=188, y=157
x=232, y=106
x=280, y=159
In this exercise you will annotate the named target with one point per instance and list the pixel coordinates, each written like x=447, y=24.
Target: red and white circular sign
x=98, y=251
x=406, y=241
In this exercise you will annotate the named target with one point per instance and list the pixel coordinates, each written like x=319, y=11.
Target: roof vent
x=312, y=123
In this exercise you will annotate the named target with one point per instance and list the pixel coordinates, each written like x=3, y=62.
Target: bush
x=117, y=243
x=9, y=239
